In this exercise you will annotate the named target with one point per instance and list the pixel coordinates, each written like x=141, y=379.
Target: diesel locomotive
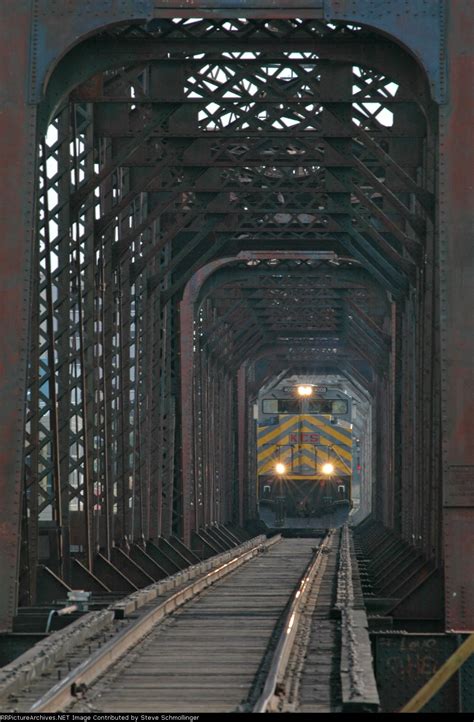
x=304, y=453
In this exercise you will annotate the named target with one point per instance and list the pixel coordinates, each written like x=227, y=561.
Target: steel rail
x=286, y=640
x=65, y=692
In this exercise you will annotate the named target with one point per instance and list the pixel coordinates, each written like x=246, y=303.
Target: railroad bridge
x=200, y=200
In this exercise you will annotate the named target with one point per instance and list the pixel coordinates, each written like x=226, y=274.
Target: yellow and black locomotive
x=304, y=453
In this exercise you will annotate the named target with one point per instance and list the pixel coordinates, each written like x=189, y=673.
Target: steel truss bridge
x=197, y=198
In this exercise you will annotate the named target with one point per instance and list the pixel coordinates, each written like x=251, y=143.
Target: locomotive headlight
x=280, y=468
x=304, y=391
x=328, y=469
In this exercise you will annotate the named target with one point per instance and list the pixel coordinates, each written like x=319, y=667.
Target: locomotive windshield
x=281, y=406
x=327, y=406
x=315, y=406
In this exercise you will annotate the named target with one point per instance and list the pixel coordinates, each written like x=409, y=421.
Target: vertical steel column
x=397, y=393
x=171, y=493
x=154, y=419
x=148, y=469
x=199, y=432
x=392, y=396
x=107, y=283
x=242, y=401
x=123, y=475
x=250, y=491
x=407, y=420
x=85, y=258
x=17, y=197
x=158, y=339
x=186, y=317
x=431, y=540
x=63, y=318
x=212, y=386
x=456, y=161
x=30, y=522
x=172, y=488
x=231, y=467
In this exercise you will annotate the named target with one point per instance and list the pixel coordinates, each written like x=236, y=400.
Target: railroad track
x=234, y=639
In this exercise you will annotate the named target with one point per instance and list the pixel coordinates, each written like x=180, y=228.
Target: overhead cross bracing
x=293, y=306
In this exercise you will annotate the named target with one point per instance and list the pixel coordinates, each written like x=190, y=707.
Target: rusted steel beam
x=18, y=155
x=411, y=244
x=208, y=255
x=186, y=319
x=416, y=222
x=112, y=165
x=426, y=198
x=242, y=432
x=457, y=319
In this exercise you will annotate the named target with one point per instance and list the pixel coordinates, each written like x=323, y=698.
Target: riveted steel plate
x=405, y=662
x=459, y=568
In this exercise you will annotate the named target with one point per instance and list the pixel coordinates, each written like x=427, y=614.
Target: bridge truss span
x=198, y=202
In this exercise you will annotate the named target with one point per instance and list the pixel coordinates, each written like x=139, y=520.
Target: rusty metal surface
x=18, y=162
x=457, y=336
x=405, y=662
x=419, y=26
x=459, y=569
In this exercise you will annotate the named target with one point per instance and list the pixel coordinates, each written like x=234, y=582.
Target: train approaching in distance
x=304, y=454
